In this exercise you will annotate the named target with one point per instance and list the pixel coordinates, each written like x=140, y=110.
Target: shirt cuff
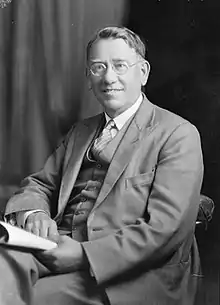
x=22, y=216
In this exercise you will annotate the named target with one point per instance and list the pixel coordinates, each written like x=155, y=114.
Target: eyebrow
x=114, y=60
x=95, y=60
x=120, y=59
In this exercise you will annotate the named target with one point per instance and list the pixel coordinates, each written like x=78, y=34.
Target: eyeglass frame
x=113, y=67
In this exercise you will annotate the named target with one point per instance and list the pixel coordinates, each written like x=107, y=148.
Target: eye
x=97, y=67
x=120, y=67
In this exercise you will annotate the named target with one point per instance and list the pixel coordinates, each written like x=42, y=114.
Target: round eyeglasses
x=120, y=68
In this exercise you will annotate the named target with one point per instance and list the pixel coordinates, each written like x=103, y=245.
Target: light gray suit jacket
x=141, y=244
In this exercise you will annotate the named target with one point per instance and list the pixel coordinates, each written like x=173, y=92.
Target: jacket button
x=98, y=165
x=97, y=229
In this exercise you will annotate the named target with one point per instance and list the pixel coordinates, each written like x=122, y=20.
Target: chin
x=113, y=104
x=113, y=108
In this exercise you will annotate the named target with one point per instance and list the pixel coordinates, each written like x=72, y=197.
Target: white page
x=22, y=238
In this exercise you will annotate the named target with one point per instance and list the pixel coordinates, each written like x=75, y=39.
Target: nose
x=110, y=75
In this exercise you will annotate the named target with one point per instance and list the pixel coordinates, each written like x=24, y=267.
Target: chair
x=206, y=210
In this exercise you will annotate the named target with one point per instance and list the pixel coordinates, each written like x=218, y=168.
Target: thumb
x=62, y=239
x=54, y=236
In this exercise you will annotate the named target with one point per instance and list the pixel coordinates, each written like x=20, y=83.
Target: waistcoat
x=92, y=172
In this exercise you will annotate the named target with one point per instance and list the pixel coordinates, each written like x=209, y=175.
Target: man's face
x=116, y=93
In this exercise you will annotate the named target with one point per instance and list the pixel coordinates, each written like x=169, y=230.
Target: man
x=120, y=195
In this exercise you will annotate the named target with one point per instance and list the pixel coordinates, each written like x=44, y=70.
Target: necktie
x=104, y=138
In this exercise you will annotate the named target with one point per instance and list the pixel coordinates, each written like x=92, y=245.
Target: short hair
x=133, y=40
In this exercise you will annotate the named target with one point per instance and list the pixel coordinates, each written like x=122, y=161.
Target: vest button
x=98, y=165
x=79, y=212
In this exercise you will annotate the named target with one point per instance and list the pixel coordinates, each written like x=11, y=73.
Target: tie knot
x=110, y=125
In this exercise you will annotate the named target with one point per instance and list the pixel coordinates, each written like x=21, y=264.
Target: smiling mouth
x=112, y=90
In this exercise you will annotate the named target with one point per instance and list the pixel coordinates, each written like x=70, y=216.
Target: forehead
x=110, y=48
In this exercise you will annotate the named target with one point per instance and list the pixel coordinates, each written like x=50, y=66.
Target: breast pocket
x=142, y=179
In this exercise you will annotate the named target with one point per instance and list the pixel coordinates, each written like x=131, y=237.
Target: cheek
x=133, y=85
x=94, y=80
x=132, y=80
x=95, y=86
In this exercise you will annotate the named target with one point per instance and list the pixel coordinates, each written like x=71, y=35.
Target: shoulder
x=168, y=127
x=168, y=118
x=168, y=121
x=178, y=133
x=161, y=117
x=90, y=122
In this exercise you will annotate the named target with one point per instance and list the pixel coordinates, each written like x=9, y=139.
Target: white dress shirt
x=122, y=118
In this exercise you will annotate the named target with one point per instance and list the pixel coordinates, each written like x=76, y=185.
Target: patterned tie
x=104, y=138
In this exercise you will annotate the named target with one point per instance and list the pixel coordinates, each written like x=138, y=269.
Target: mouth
x=112, y=90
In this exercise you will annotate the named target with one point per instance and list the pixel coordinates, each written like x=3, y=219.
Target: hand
x=67, y=257
x=42, y=225
x=92, y=189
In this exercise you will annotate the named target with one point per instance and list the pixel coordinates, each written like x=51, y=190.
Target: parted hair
x=132, y=39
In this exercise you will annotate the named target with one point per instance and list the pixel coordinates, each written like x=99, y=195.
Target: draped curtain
x=43, y=87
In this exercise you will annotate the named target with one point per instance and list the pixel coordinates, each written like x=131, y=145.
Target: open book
x=16, y=237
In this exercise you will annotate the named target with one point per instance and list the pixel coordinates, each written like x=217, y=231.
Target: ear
x=89, y=84
x=145, y=70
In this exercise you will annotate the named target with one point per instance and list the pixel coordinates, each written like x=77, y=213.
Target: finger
x=91, y=184
x=53, y=232
x=35, y=231
x=31, y=222
x=35, y=227
x=92, y=194
x=44, y=228
x=28, y=226
x=32, y=228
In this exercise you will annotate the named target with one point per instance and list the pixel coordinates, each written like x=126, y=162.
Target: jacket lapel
x=143, y=119
x=85, y=133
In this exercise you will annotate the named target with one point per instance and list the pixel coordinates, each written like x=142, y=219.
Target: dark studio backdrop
x=43, y=88
x=184, y=51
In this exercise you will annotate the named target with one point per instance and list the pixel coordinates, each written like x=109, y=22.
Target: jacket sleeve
x=172, y=207
x=37, y=190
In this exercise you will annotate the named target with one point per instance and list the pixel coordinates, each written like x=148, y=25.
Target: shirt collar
x=122, y=118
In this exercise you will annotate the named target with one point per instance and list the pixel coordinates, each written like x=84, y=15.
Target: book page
x=15, y=236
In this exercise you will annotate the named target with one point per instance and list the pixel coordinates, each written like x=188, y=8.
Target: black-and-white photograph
x=109, y=152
